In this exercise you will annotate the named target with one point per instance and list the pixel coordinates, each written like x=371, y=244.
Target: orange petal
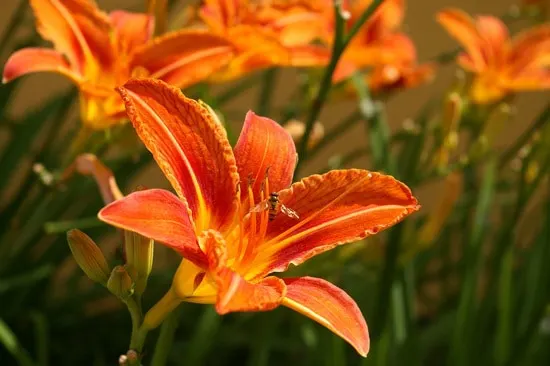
x=329, y=306
x=159, y=215
x=189, y=146
x=133, y=29
x=30, y=60
x=530, y=49
x=307, y=56
x=234, y=293
x=262, y=145
x=77, y=28
x=462, y=27
x=222, y=14
x=496, y=37
x=184, y=57
x=335, y=208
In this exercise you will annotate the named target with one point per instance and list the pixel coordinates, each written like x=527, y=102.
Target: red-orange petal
x=189, y=146
x=329, y=306
x=234, y=293
x=335, y=208
x=462, y=27
x=185, y=57
x=262, y=145
x=497, y=40
x=30, y=60
x=77, y=28
x=159, y=215
x=133, y=29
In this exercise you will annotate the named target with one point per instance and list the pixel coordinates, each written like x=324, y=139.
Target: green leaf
x=10, y=341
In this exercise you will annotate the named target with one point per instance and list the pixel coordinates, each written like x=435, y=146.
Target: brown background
x=421, y=26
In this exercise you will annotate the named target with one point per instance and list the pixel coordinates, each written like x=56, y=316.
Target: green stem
x=137, y=339
x=386, y=280
x=524, y=138
x=340, y=43
x=266, y=92
x=166, y=338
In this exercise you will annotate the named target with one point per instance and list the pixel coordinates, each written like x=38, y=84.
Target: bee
x=274, y=206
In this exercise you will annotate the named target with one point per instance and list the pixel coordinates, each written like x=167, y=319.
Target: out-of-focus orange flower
x=401, y=74
x=232, y=221
x=100, y=51
x=501, y=65
x=382, y=48
x=268, y=33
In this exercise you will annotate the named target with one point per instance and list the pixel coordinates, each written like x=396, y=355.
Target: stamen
x=240, y=218
x=249, y=246
x=256, y=239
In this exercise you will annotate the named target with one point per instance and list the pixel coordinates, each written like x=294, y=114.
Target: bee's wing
x=262, y=206
x=289, y=212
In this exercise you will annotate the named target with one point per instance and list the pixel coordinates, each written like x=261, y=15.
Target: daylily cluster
x=99, y=51
x=229, y=242
x=501, y=65
x=381, y=48
x=267, y=33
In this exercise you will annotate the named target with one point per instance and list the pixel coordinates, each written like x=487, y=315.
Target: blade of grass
x=10, y=341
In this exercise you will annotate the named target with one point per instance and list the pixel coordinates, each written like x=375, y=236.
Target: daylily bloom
x=502, y=65
x=267, y=33
x=217, y=221
x=401, y=74
x=99, y=51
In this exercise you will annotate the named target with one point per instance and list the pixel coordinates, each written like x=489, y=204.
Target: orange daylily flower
x=229, y=244
x=100, y=51
x=502, y=65
x=267, y=33
x=401, y=74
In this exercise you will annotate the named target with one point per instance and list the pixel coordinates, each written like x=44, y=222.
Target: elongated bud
x=452, y=112
x=88, y=256
x=120, y=283
x=297, y=128
x=499, y=117
x=139, y=255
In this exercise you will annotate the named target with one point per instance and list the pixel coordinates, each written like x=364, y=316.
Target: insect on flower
x=230, y=256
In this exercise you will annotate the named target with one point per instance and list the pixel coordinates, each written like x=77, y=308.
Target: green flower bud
x=139, y=256
x=88, y=256
x=120, y=283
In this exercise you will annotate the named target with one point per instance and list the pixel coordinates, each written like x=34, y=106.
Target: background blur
x=71, y=321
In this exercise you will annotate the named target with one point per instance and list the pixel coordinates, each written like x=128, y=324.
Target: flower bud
x=139, y=256
x=88, y=256
x=120, y=283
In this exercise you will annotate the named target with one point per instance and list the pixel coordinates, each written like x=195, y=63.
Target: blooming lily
x=99, y=51
x=267, y=33
x=229, y=246
x=501, y=64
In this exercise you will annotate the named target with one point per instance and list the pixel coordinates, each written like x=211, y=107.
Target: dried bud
x=139, y=255
x=120, y=283
x=297, y=128
x=88, y=256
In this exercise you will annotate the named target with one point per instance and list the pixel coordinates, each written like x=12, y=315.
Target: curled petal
x=335, y=208
x=133, y=29
x=530, y=50
x=234, y=293
x=329, y=306
x=159, y=215
x=189, y=146
x=185, y=57
x=462, y=27
x=30, y=60
x=89, y=164
x=262, y=145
